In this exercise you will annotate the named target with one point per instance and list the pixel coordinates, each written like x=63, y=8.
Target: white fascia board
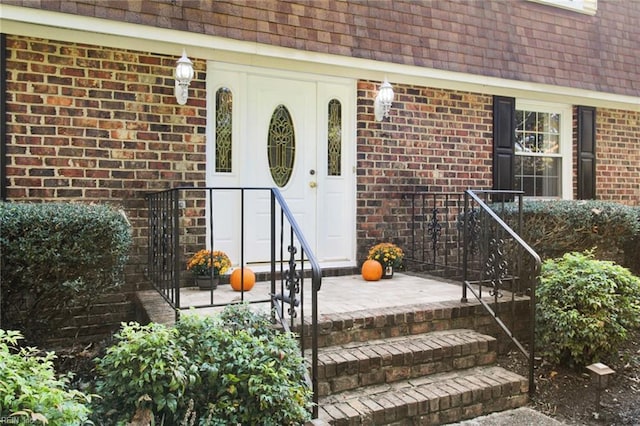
x=102, y=32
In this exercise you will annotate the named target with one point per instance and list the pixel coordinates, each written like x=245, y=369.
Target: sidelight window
x=334, y=143
x=224, y=104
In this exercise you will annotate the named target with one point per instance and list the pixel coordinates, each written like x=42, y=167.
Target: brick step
x=359, y=364
x=382, y=323
x=429, y=400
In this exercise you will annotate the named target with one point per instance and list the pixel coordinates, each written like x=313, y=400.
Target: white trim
x=73, y=28
x=588, y=7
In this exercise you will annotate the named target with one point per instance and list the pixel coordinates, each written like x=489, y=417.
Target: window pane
x=550, y=144
x=530, y=121
x=224, y=103
x=334, y=142
x=538, y=176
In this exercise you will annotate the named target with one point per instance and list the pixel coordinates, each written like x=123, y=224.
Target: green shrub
x=238, y=369
x=30, y=390
x=584, y=308
x=147, y=362
x=632, y=246
x=56, y=257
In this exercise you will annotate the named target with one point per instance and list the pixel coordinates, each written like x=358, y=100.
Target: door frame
x=235, y=77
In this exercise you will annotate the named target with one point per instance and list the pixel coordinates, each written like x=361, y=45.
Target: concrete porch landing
x=339, y=294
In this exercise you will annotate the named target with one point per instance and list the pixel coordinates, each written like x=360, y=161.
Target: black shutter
x=586, y=153
x=504, y=133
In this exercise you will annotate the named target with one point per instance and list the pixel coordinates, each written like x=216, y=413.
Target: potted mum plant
x=390, y=257
x=207, y=266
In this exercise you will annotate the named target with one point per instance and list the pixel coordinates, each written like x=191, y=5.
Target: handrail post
x=532, y=331
x=176, y=252
x=314, y=339
x=413, y=224
x=465, y=248
x=273, y=242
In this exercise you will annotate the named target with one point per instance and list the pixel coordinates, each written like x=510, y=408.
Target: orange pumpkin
x=371, y=270
x=242, y=276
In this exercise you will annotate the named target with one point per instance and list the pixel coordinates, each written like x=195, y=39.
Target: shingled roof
x=513, y=39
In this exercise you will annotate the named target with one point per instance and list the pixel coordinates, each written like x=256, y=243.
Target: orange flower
x=388, y=254
x=205, y=260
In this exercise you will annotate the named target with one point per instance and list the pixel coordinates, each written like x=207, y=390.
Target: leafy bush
x=584, y=308
x=56, y=257
x=30, y=390
x=147, y=362
x=234, y=368
x=632, y=246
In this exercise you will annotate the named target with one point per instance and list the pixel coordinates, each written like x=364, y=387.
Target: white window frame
x=588, y=7
x=566, y=141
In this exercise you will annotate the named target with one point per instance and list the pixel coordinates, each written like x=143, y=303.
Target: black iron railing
x=498, y=262
x=185, y=220
x=473, y=237
x=434, y=243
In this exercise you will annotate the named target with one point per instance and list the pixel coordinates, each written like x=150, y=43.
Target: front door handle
x=312, y=184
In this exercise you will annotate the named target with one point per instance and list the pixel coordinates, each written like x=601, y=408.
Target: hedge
x=57, y=257
x=553, y=228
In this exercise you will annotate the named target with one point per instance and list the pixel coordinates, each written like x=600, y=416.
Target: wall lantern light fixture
x=183, y=74
x=383, y=101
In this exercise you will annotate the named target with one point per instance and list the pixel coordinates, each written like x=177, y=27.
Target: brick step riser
x=352, y=368
x=462, y=397
x=408, y=416
x=340, y=329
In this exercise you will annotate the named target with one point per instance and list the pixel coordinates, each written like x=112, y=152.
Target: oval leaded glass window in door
x=281, y=146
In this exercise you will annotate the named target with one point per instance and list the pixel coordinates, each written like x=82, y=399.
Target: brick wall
x=441, y=141
x=94, y=124
x=436, y=140
x=618, y=156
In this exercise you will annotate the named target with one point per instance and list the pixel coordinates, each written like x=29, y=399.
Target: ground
x=570, y=396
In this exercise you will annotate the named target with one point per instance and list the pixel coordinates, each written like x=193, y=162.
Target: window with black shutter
x=532, y=147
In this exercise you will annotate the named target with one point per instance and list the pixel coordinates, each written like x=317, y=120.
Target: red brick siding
x=618, y=156
x=441, y=141
x=435, y=140
x=95, y=124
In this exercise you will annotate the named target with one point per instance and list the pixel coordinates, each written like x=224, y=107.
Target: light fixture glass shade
x=386, y=93
x=183, y=75
x=383, y=101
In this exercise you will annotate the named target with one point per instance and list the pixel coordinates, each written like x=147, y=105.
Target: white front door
x=282, y=117
x=281, y=138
